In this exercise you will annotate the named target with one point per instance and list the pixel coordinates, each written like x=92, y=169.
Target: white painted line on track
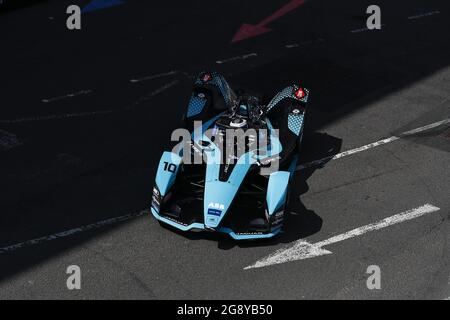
x=425, y=128
x=93, y=113
x=302, y=249
x=423, y=15
x=372, y=145
x=153, y=93
x=71, y=232
x=305, y=43
x=366, y=29
x=243, y=57
x=67, y=96
x=155, y=76
x=57, y=117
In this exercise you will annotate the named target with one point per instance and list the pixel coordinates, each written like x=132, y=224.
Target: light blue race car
x=232, y=169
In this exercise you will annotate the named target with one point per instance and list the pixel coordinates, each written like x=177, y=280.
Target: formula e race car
x=232, y=163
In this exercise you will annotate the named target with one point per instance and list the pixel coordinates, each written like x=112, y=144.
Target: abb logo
x=216, y=206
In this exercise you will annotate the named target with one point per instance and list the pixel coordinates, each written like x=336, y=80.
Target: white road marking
x=8, y=141
x=152, y=94
x=373, y=145
x=296, y=45
x=303, y=250
x=243, y=57
x=93, y=113
x=57, y=117
x=365, y=29
x=71, y=232
x=67, y=96
x=423, y=15
x=154, y=76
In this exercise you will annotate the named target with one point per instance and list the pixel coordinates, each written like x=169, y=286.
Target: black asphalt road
x=79, y=143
